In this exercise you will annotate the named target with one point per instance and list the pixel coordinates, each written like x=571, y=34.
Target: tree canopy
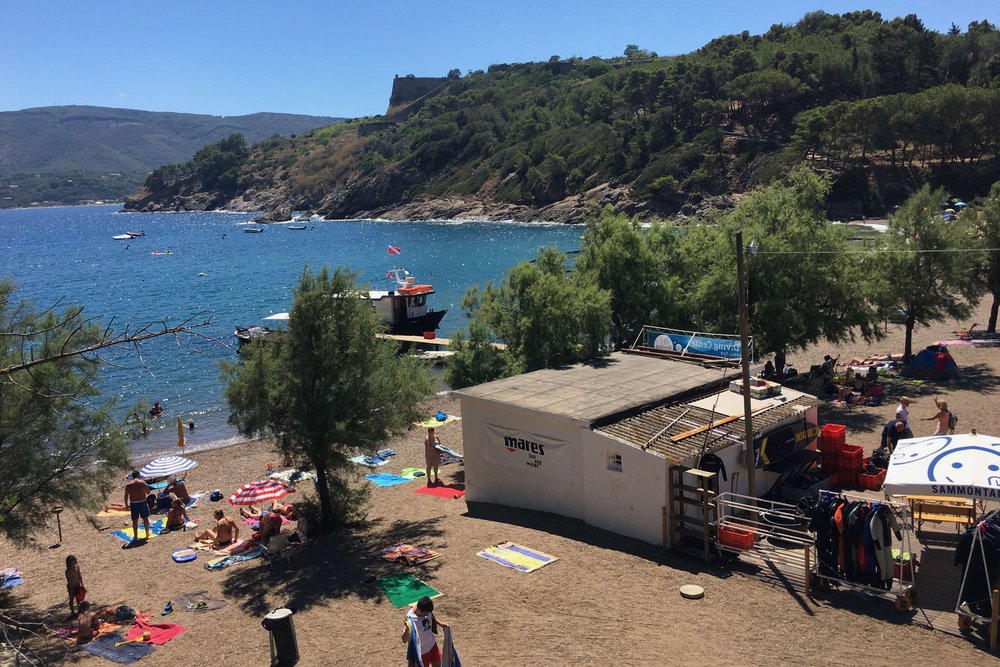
x=327, y=389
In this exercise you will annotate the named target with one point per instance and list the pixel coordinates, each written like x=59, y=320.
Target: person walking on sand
x=419, y=631
x=74, y=582
x=432, y=456
x=943, y=417
x=136, y=492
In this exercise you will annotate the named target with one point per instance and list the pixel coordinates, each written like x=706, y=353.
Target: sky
x=336, y=58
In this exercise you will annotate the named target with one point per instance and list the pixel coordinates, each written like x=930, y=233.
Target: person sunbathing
x=226, y=532
x=177, y=487
x=177, y=515
x=287, y=511
x=876, y=359
x=270, y=525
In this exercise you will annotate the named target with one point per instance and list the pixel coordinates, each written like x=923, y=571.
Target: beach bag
x=124, y=614
x=952, y=421
x=215, y=496
x=441, y=416
x=81, y=593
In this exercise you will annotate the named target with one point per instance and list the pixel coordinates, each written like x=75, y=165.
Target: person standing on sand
x=136, y=493
x=419, y=629
x=74, y=582
x=903, y=411
x=943, y=417
x=432, y=456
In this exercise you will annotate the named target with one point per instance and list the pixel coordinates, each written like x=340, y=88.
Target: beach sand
x=607, y=600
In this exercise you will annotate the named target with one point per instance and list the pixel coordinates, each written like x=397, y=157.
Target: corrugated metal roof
x=654, y=429
x=604, y=387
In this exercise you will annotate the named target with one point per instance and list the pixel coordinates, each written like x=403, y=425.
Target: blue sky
x=338, y=58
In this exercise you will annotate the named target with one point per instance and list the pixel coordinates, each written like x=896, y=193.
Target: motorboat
x=253, y=230
x=249, y=334
x=403, y=309
x=122, y=237
x=162, y=252
x=137, y=234
x=296, y=227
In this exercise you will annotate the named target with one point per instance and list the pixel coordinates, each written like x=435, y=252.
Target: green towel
x=411, y=473
x=404, y=589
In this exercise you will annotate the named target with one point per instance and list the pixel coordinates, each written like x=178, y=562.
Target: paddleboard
x=184, y=555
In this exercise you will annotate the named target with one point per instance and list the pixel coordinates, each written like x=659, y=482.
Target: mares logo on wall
x=526, y=451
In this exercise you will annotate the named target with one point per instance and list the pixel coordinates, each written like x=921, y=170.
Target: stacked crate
x=850, y=464
x=832, y=439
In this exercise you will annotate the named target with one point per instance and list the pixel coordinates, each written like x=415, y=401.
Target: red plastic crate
x=849, y=476
x=852, y=455
x=833, y=435
x=830, y=459
x=834, y=480
x=872, y=482
x=737, y=538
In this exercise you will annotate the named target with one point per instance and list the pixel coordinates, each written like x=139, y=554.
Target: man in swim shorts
x=135, y=498
x=226, y=532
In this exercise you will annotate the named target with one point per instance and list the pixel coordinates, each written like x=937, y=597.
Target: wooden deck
x=435, y=343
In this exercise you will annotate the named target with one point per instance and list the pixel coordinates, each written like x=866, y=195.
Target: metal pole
x=741, y=288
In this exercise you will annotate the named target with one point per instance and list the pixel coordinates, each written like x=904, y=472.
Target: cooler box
x=737, y=538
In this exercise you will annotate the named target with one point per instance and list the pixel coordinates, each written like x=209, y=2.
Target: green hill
x=71, y=153
x=881, y=105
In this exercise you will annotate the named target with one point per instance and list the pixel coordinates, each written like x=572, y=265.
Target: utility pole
x=741, y=287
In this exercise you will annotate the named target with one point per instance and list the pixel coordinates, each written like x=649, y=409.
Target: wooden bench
x=959, y=511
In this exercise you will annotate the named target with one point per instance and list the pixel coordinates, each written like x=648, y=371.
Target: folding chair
x=276, y=548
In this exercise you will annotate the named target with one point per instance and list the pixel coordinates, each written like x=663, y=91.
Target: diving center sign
x=526, y=451
x=686, y=342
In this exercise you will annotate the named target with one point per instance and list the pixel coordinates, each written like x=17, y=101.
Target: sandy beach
x=607, y=600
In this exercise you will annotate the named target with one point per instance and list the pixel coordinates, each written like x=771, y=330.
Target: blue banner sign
x=728, y=348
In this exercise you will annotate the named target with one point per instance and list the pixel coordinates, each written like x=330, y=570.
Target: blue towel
x=370, y=461
x=385, y=453
x=385, y=479
x=229, y=560
x=126, y=654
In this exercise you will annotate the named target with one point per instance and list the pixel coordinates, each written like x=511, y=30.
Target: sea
x=201, y=266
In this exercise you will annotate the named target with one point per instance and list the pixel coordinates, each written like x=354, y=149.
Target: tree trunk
x=325, y=504
x=908, y=345
x=992, y=326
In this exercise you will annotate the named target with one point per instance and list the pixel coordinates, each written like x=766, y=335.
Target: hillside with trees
x=881, y=105
x=67, y=154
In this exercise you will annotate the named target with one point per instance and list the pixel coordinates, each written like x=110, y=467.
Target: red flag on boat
x=388, y=274
x=394, y=250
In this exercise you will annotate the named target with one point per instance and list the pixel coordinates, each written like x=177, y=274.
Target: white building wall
x=514, y=485
x=627, y=502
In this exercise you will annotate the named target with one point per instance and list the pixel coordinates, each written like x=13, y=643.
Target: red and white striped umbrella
x=260, y=491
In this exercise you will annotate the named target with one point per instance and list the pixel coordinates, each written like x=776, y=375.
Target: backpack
x=952, y=421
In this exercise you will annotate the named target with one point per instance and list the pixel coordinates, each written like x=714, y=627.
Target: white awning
x=947, y=465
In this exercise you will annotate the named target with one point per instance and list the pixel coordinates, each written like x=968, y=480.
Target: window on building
x=614, y=460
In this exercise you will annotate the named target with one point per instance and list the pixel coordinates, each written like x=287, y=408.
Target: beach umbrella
x=946, y=465
x=180, y=433
x=260, y=491
x=165, y=466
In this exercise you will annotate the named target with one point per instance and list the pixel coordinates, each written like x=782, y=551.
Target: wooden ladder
x=693, y=534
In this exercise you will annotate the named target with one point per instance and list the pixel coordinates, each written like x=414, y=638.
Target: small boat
x=122, y=237
x=296, y=226
x=162, y=252
x=247, y=334
x=137, y=234
x=253, y=230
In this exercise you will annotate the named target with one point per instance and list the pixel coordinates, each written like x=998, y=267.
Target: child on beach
x=74, y=583
x=419, y=629
x=88, y=623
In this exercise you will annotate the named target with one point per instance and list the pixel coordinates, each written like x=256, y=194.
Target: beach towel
x=409, y=553
x=195, y=497
x=159, y=633
x=197, y=601
x=404, y=589
x=385, y=453
x=10, y=577
x=293, y=476
x=126, y=654
x=155, y=528
x=385, y=479
x=453, y=492
x=226, y=561
x=434, y=422
x=70, y=631
x=449, y=656
x=516, y=556
x=413, y=473
x=370, y=461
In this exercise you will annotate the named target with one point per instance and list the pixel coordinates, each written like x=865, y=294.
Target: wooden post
x=993, y=619
x=741, y=289
x=808, y=572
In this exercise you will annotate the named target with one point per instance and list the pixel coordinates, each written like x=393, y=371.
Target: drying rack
x=903, y=586
x=965, y=614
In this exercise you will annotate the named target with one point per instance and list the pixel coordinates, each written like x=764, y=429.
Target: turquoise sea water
x=67, y=256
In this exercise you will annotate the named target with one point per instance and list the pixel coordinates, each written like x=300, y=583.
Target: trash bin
x=284, y=647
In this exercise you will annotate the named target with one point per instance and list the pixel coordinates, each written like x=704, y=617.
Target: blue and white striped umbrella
x=166, y=466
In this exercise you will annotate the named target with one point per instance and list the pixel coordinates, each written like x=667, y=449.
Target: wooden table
x=938, y=509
